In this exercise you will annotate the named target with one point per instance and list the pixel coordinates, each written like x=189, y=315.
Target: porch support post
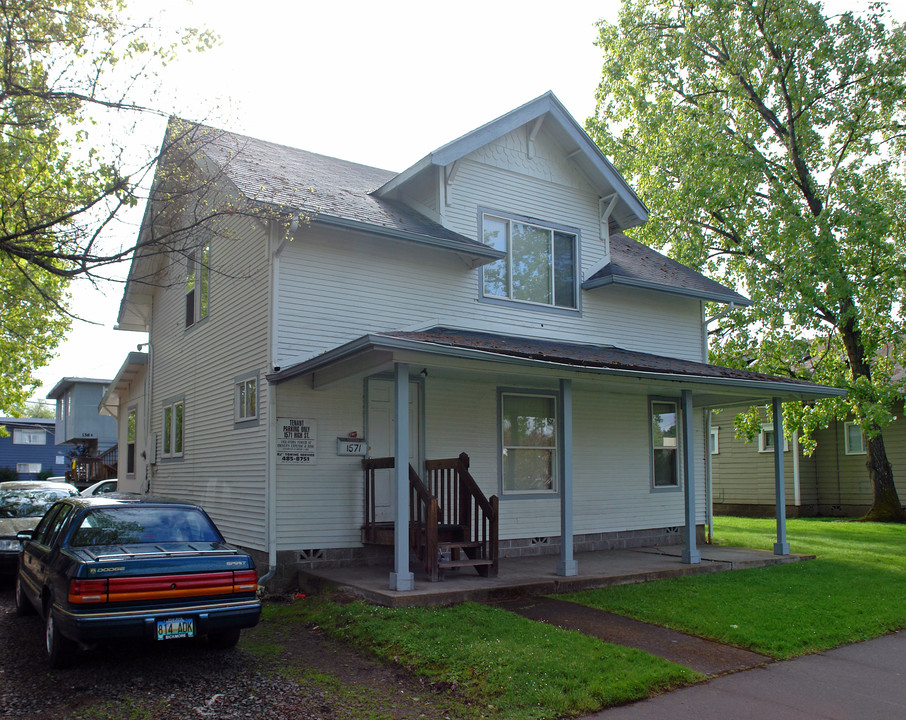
x=401, y=578
x=781, y=547
x=691, y=555
x=567, y=565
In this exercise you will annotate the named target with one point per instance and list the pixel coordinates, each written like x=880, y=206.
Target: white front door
x=381, y=424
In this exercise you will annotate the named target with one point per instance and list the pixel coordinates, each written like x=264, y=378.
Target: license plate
x=175, y=628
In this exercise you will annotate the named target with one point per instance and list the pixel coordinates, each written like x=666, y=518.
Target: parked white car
x=100, y=488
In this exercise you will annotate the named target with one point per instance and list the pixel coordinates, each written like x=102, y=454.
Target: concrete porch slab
x=537, y=575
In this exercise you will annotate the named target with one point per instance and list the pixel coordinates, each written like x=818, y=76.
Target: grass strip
x=509, y=666
x=855, y=590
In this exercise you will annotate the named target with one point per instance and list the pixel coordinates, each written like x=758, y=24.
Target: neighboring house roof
x=600, y=359
x=45, y=423
x=637, y=265
x=63, y=385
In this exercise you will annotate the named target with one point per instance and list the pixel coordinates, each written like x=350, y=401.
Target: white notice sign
x=296, y=441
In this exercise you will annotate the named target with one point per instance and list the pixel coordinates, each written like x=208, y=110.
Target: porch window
x=528, y=442
x=173, y=431
x=198, y=281
x=853, y=439
x=714, y=444
x=540, y=266
x=665, y=438
x=767, y=437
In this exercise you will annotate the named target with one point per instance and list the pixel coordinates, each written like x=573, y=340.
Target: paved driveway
x=857, y=682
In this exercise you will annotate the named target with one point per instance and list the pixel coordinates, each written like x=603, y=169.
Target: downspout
x=271, y=479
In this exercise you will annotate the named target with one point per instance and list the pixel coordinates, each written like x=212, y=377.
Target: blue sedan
x=121, y=567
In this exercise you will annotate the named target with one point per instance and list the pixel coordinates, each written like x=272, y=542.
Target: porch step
x=459, y=544
x=467, y=562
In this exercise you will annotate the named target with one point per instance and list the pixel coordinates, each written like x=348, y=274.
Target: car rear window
x=29, y=502
x=144, y=524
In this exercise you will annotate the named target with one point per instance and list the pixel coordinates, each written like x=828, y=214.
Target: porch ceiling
x=618, y=369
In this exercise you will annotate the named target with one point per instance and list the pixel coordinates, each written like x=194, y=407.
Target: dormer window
x=540, y=266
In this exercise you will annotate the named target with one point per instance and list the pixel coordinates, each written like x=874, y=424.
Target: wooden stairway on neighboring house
x=88, y=470
x=451, y=522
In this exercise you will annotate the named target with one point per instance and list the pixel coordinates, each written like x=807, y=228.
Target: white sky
x=380, y=83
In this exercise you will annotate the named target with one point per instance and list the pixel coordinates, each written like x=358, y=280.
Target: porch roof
x=714, y=386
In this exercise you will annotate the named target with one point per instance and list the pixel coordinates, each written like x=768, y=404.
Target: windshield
x=29, y=502
x=144, y=524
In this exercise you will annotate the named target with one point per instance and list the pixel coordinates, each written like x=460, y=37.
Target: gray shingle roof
x=635, y=264
x=322, y=187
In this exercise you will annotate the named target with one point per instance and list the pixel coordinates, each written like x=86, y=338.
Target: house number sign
x=351, y=446
x=296, y=441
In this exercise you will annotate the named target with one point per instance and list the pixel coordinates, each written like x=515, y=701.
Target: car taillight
x=245, y=581
x=87, y=591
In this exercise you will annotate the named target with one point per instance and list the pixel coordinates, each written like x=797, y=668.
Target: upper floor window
x=540, y=266
x=854, y=439
x=198, y=281
x=665, y=436
x=173, y=430
x=29, y=437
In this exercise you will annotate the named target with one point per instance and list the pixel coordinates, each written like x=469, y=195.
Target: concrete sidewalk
x=857, y=682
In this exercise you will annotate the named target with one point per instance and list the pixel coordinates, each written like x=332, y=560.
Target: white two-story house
x=322, y=333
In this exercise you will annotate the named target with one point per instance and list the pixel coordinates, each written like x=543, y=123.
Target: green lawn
x=855, y=590
x=504, y=665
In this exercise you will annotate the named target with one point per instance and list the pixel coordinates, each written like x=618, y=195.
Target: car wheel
x=224, y=639
x=23, y=604
x=60, y=650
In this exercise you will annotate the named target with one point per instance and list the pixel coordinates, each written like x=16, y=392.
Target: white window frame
x=28, y=468
x=245, y=410
x=714, y=444
x=554, y=230
x=554, y=449
x=653, y=447
x=170, y=448
x=131, y=434
x=198, y=284
x=29, y=436
x=847, y=446
x=763, y=446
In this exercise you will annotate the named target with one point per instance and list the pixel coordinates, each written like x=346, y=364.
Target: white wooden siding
x=223, y=469
x=321, y=506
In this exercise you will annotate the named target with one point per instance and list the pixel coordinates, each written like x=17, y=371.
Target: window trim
x=554, y=492
x=678, y=404
x=168, y=435
x=28, y=468
x=762, y=446
x=530, y=304
x=240, y=421
x=29, y=432
x=847, y=447
x=199, y=260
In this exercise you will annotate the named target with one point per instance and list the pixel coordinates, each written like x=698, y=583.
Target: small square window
x=854, y=439
x=767, y=438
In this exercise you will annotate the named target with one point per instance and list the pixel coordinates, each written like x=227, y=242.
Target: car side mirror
x=24, y=535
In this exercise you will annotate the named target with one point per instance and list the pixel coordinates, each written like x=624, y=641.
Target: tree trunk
x=886, y=506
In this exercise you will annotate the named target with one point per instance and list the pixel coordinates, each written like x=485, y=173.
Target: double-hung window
x=29, y=437
x=130, y=442
x=854, y=439
x=246, y=399
x=540, y=266
x=767, y=439
x=173, y=429
x=528, y=431
x=665, y=443
x=198, y=283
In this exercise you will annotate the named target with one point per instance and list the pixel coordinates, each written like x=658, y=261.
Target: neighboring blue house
x=31, y=448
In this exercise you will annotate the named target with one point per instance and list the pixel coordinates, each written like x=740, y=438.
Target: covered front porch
x=537, y=575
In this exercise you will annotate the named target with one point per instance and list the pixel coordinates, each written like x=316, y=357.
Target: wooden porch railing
x=451, y=522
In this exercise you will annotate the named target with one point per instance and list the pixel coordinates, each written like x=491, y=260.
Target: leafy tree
x=68, y=70
x=768, y=141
